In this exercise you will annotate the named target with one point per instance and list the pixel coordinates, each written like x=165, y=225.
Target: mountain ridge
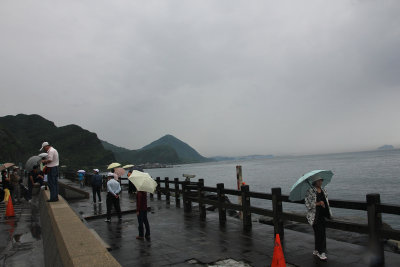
x=185, y=152
x=22, y=136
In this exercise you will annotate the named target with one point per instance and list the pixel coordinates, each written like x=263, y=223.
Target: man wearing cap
x=113, y=190
x=97, y=180
x=52, y=162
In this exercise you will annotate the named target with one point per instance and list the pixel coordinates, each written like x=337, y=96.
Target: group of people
x=113, y=200
x=12, y=182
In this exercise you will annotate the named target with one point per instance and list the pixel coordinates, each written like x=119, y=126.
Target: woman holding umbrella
x=317, y=210
x=310, y=187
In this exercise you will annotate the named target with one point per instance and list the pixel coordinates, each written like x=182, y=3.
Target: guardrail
x=195, y=192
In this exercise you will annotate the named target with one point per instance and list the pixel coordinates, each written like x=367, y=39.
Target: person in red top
x=141, y=212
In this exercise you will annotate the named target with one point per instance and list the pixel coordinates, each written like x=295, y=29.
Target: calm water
x=356, y=174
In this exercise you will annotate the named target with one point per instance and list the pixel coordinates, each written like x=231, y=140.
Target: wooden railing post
x=202, y=207
x=374, y=229
x=177, y=196
x=187, y=204
x=158, y=188
x=167, y=193
x=239, y=180
x=221, y=201
x=246, y=207
x=277, y=212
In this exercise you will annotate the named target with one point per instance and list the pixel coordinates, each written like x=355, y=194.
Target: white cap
x=110, y=174
x=96, y=170
x=43, y=145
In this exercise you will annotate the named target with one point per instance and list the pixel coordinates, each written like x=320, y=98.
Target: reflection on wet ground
x=20, y=236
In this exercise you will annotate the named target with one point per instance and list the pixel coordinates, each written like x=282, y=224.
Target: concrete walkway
x=20, y=236
x=179, y=239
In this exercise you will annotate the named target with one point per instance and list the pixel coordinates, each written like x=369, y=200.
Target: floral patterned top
x=310, y=200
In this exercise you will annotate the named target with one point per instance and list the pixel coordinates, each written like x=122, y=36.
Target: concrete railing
x=66, y=240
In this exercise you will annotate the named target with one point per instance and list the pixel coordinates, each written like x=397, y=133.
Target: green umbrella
x=299, y=189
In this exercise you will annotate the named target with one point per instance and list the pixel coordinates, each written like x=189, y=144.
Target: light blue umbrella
x=299, y=189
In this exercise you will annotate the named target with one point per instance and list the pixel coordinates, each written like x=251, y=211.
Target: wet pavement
x=20, y=236
x=179, y=239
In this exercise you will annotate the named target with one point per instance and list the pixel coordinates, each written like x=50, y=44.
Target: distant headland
x=386, y=147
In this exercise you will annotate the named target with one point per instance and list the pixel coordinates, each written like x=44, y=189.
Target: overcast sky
x=227, y=77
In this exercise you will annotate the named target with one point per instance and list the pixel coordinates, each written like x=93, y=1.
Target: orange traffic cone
x=278, y=260
x=10, y=209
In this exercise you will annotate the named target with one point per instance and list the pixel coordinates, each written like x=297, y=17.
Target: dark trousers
x=29, y=194
x=131, y=188
x=142, y=218
x=113, y=201
x=319, y=234
x=96, y=190
x=52, y=181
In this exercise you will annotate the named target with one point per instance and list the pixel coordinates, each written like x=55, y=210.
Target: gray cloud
x=228, y=77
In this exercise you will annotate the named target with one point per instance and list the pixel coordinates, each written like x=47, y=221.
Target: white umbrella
x=43, y=155
x=113, y=165
x=81, y=171
x=128, y=166
x=143, y=181
x=32, y=161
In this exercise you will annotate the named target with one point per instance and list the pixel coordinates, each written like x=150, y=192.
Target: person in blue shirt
x=113, y=191
x=97, y=181
x=81, y=178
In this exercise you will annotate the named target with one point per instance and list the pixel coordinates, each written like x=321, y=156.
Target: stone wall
x=66, y=240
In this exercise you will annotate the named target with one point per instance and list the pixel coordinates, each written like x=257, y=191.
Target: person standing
x=113, y=190
x=5, y=181
x=34, y=176
x=52, y=161
x=141, y=212
x=131, y=186
x=81, y=178
x=96, y=185
x=318, y=209
x=15, y=181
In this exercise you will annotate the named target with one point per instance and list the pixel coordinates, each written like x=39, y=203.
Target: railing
x=195, y=192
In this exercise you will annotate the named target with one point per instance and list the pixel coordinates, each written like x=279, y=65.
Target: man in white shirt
x=52, y=161
x=113, y=190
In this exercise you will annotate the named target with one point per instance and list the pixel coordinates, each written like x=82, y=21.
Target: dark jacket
x=141, y=201
x=97, y=180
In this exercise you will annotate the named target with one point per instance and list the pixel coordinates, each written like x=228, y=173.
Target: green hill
x=186, y=153
x=158, y=154
x=21, y=136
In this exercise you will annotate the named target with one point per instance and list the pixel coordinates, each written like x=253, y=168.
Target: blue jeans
x=142, y=218
x=52, y=181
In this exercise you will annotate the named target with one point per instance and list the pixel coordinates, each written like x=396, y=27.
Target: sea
x=355, y=175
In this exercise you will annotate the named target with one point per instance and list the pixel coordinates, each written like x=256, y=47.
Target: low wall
x=66, y=240
x=69, y=192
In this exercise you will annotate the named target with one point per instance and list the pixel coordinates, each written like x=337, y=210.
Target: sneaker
x=147, y=237
x=140, y=237
x=322, y=256
x=315, y=252
x=107, y=220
